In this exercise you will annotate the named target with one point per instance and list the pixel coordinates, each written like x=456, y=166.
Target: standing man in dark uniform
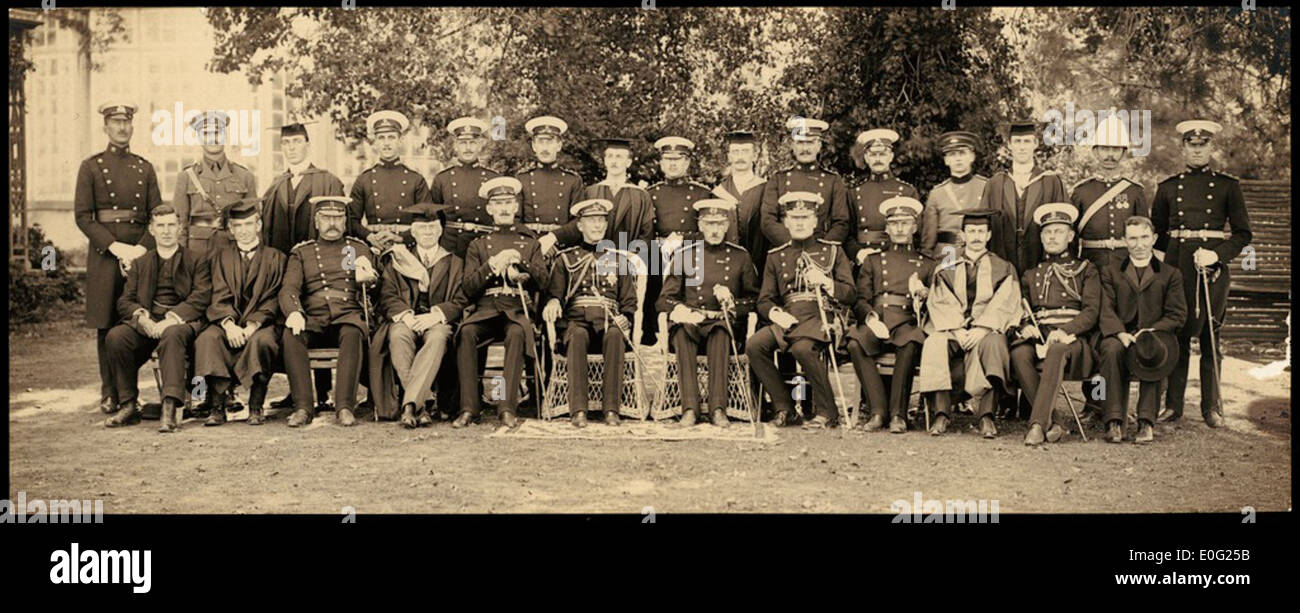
x=674, y=217
x=208, y=187
x=833, y=221
x=287, y=216
x=382, y=195
x=162, y=306
x=1106, y=200
x=549, y=190
x=1189, y=213
x=946, y=204
x=892, y=287
x=593, y=291
x=457, y=186
x=725, y=280
x=496, y=267
x=1065, y=295
x=242, y=338
x=744, y=187
x=321, y=300
x=868, y=220
x=795, y=272
x=1015, y=193
x=116, y=190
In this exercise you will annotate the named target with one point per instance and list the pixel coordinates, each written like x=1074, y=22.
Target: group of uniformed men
x=992, y=284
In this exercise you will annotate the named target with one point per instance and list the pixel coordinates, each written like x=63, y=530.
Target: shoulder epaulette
x=657, y=184
x=566, y=250
x=778, y=248
x=306, y=242
x=828, y=242
x=1224, y=174
x=1170, y=178
x=568, y=171
x=700, y=185
x=1076, y=185
x=729, y=243
x=943, y=183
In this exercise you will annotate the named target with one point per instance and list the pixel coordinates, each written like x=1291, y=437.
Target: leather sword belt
x=465, y=226
x=542, y=227
x=116, y=216
x=502, y=291
x=1102, y=243
x=596, y=302
x=395, y=228
x=1055, y=316
x=336, y=293
x=1198, y=234
x=952, y=238
x=883, y=300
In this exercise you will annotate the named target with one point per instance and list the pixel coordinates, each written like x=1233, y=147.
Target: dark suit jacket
x=193, y=282
x=1020, y=245
x=1127, y=306
x=229, y=299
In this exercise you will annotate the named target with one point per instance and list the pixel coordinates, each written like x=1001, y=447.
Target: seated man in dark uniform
x=322, y=305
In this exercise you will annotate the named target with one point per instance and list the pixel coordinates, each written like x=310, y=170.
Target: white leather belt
x=1199, y=234
x=1102, y=243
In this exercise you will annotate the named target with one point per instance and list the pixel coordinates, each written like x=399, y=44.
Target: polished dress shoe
x=987, y=429
x=688, y=418
x=172, y=413
x=408, y=416
x=345, y=418
x=940, y=425
x=423, y=419
x=578, y=419
x=1169, y=415
x=1146, y=433
x=283, y=403
x=107, y=405
x=128, y=414
x=1035, y=435
x=612, y=419
x=300, y=417
x=720, y=418
x=1114, y=432
x=509, y=420
x=897, y=425
x=1055, y=433
x=1213, y=419
x=875, y=423
x=461, y=420
x=820, y=422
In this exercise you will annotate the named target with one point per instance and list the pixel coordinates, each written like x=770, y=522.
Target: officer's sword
x=841, y=405
x=1204, y=275
x=728, y=307
x=1038, y=334
x=537, y=359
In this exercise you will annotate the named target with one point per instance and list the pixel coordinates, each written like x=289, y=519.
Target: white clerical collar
x=297, y=169
x=167, y=255
x=1141, y=263
x=430, y=255
x=249, y=247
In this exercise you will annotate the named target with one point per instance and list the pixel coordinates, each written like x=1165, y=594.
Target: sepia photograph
x=931, y=264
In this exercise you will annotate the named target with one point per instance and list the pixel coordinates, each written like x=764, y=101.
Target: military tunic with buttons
x=321, y=282
x=726, y=264
x=673, y=201
x=383, y=194
x=1065, y=294
x=883, y=290
x=115, y=191
x=1108, y=221
x=488, y=294
x=225, y=184
x=942, y=216
x=1201, y=199
x=549, y=191
x=457, y=187
x=868, y=224
x=833, y=217
x=784, y=285
x=581, y=272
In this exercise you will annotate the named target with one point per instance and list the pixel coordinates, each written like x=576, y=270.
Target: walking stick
x=537, y=360
x=729, y=307
x=1204, y=274
x=1038, y=333
x=845, y=413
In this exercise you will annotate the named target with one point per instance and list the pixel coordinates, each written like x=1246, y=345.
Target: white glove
x=782, y=318
x=295, y=322
x=547, y=242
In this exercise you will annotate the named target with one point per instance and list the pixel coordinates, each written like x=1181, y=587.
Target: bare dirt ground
x=58, y=449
